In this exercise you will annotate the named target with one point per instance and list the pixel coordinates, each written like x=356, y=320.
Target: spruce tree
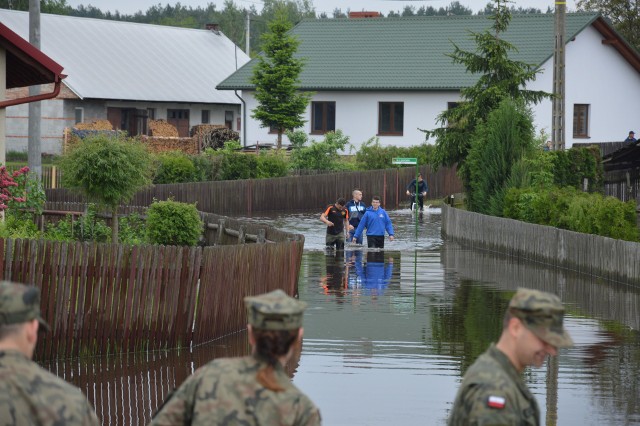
x=500, y=78
x=277, y=79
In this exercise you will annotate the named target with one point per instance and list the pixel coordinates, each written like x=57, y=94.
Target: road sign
x=404, y=161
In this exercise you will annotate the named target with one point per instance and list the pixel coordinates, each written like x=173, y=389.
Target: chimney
x=214, y=28
x=364, y=14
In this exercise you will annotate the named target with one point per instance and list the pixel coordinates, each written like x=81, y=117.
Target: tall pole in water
x=558, y=109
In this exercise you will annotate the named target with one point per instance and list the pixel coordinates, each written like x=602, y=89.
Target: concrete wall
x=591, y=254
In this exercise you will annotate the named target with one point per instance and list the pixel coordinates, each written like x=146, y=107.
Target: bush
x=568, y=208
x=570, y=167
x=18, y=226
x=497, y=145
x=321, y=155
x=372, y=155
x=87, y=227
x=175, y=167
x=173, y=223
x=272, y=164
x=132, y=230
x=206, y=166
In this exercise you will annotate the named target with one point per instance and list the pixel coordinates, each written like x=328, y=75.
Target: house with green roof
x=390, y=77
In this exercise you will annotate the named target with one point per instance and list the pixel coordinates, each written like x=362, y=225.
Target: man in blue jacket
x=376, y=221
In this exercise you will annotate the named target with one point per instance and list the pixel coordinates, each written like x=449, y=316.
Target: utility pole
x=248, y=35
x=34, y=156
x=558, y=109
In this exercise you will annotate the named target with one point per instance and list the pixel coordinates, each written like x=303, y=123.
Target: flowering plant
x=8, y=185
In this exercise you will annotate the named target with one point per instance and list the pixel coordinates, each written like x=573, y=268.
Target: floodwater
x=389, y=334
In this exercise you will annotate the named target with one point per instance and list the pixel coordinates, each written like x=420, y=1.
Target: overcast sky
x=131, y=6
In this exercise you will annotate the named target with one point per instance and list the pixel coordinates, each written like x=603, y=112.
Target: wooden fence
x=590, y=254
x=295, y=193
x=109, y=298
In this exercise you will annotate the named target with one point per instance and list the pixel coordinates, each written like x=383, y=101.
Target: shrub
x=568, y=208
x=87, y=227
x=18, y=226
x=175, y=167
x=499, y=143
x=132, y=229
x=322, y=155
x=372, y=155
x=173, y=223
x=570, y=167
x=272, y=164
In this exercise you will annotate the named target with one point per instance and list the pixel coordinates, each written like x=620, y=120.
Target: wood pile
x=160, y=128
x=213, y=135
x=95, y=125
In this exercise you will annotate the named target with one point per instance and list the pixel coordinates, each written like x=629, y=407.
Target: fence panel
x=293, y=193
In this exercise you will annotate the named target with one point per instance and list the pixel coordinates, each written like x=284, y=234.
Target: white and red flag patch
x=496, y=402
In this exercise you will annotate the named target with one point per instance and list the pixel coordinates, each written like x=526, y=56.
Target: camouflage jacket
x=30, y=395
x=226, y=392
x=493, y=393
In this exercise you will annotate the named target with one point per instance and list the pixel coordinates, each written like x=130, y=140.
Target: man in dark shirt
x=336, y=217
x=356, y=209
x=631, y=138
x=419, y=188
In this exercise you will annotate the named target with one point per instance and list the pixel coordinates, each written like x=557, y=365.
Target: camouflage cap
x=274, y=311
x=19, y=303
x=542, y=313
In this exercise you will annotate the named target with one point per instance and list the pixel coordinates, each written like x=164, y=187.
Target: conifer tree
x=277, y=79
x=499, y=78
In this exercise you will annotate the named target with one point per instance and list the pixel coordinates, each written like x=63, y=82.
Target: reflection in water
x=388, y=336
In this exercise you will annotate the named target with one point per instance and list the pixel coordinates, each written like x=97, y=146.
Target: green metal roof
x=407, y=53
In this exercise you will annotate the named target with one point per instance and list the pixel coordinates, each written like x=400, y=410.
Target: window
x=151, y=113
x=323, y=117
x=390, y=118
x=79, y=115
x=581, y=120
x=205, y=116
x=178, y=114
x=452, y=105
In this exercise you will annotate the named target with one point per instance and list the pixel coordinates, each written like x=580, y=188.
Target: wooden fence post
x=262, y=236
x=220, y=235
x=241, y=233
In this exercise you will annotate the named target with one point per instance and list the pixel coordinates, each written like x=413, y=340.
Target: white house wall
x=597, y=75
x=357, y=116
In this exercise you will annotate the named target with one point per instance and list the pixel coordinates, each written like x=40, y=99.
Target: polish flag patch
x=496, y=402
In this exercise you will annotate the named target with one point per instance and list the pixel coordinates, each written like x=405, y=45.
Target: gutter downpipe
x=35, y=98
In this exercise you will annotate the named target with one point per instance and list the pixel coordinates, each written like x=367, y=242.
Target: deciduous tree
x=108, y=171
x=624, y=14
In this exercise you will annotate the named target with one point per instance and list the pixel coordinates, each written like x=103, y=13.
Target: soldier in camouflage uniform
x=492, y=391
x=30, y=395
x=252, y=390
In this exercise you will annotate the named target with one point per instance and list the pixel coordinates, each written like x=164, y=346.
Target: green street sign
x=404, y=160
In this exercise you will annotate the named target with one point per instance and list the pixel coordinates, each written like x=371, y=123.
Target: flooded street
x=388, y=336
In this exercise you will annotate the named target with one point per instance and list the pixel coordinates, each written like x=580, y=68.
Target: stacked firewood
x=161, y=128
x=95, y=125
x=213, y=135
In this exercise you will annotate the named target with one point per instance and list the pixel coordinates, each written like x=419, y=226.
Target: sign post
x=411, y=161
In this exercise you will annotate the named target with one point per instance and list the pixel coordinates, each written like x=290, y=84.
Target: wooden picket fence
x=109, y=298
